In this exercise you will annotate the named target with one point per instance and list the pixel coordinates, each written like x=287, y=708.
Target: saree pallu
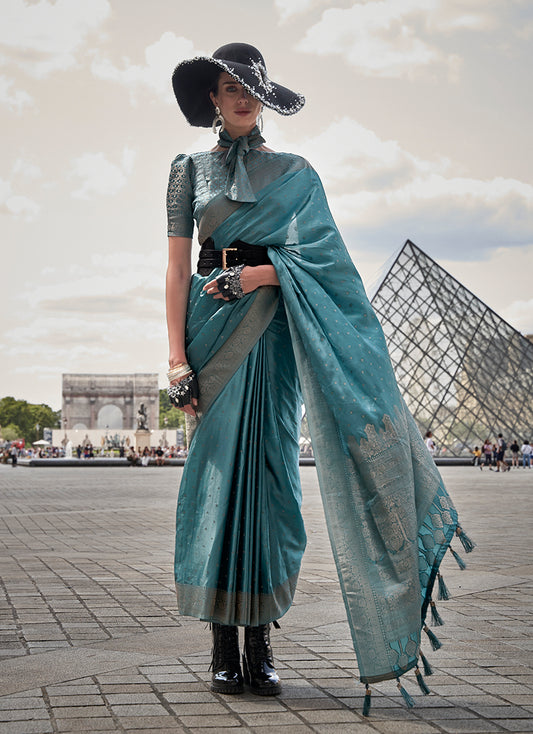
x=389, y=517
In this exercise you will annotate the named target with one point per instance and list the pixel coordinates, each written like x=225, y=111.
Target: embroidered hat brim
x=193, y=79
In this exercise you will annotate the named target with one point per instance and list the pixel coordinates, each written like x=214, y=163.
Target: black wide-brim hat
x=193, y=79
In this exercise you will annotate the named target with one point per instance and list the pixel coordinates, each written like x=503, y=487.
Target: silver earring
x=260, y=122
x=218, y=119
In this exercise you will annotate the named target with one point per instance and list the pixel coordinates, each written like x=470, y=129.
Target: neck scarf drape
x=238, y=187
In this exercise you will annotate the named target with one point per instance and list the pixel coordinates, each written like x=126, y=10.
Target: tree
x=11, y=432
x=25, y=417
x=175, y=417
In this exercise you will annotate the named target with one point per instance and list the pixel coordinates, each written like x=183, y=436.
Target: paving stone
x=330, y=716
x=23, y=714
x=141, y=709
x=343, y=728
x=279, y=718
x=199, y=721
x=324, y=703
x=131, y=698
x=86, y=724
x=466, y=726
x=8, y=703
x=76, y=700
x=27, y=727
x=407, y=727
x=191, y=697
x=190, y=709
x=149, y=723
x=517, y=725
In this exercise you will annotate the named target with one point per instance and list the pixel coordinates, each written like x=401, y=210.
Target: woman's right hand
x=185, y=395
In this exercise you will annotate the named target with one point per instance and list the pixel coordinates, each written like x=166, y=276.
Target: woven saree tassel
x=435, y=616
x=405, y=695
x=421, y=682
x=443, y=594
x=367, y=701
x=428, y=670
x=460, y=562
x=434, y=641
x=468, y=544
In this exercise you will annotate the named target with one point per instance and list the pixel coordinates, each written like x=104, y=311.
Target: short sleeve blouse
x=180, y=198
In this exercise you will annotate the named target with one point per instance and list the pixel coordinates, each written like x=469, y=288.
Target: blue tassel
x=434, y=641
x=368, y=701
x=435, y=616
x=428, y=670
x=460, y=562
x=406, y=697
x=421, y=682
x=468, y=544
x=444, y=594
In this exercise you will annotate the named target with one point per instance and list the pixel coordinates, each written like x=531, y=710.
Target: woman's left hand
x=251, y=279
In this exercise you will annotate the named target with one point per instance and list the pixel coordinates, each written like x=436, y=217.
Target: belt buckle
x=224, y=251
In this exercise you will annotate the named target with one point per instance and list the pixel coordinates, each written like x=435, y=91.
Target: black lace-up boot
x=258, y=662
x=227, y=675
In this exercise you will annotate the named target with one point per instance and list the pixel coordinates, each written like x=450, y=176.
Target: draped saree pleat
x=239, y=533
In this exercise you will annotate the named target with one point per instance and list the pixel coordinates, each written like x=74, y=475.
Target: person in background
x=515, y=453
x=501, y=448
x=527, y=450
x=476, y=461
x=487, y=452
x=430, y=443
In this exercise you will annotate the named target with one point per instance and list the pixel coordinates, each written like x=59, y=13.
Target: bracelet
x=178, y=372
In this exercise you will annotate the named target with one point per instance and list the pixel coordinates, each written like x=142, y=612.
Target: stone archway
x=97, y=401
x=110, y=416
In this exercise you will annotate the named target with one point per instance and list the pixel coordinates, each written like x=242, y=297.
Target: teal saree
x=240, y=535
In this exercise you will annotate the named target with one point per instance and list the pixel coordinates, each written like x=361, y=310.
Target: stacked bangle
x=180, y=370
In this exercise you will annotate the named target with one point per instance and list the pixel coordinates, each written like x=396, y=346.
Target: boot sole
x=227, y=691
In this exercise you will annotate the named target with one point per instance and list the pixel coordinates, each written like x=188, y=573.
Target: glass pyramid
x=464, y=372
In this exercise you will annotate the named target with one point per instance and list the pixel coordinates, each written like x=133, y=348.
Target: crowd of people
x=493, y=454
x=156, y=454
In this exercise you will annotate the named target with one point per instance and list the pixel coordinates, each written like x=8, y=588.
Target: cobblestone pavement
x=90, y=640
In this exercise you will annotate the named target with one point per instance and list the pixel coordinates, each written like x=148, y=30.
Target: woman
x=277, y=312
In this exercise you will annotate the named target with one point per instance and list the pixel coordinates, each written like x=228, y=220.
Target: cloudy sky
x=418, y=119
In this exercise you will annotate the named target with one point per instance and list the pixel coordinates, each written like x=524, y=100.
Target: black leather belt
x=238, y=253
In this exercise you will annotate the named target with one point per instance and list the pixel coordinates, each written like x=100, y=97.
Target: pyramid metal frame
x=464, y=372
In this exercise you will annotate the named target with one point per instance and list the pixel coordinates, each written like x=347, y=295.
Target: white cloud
x=99, y=175
x=14, y=100
x=160, y=58
x=288, y=8
x=27, y=169
x=98, y=317
x=114, y=282
x=381, y=194
x=383, y=38
x=473, y=15
x=520, y=315
x=15, y=204
x=44, y=36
